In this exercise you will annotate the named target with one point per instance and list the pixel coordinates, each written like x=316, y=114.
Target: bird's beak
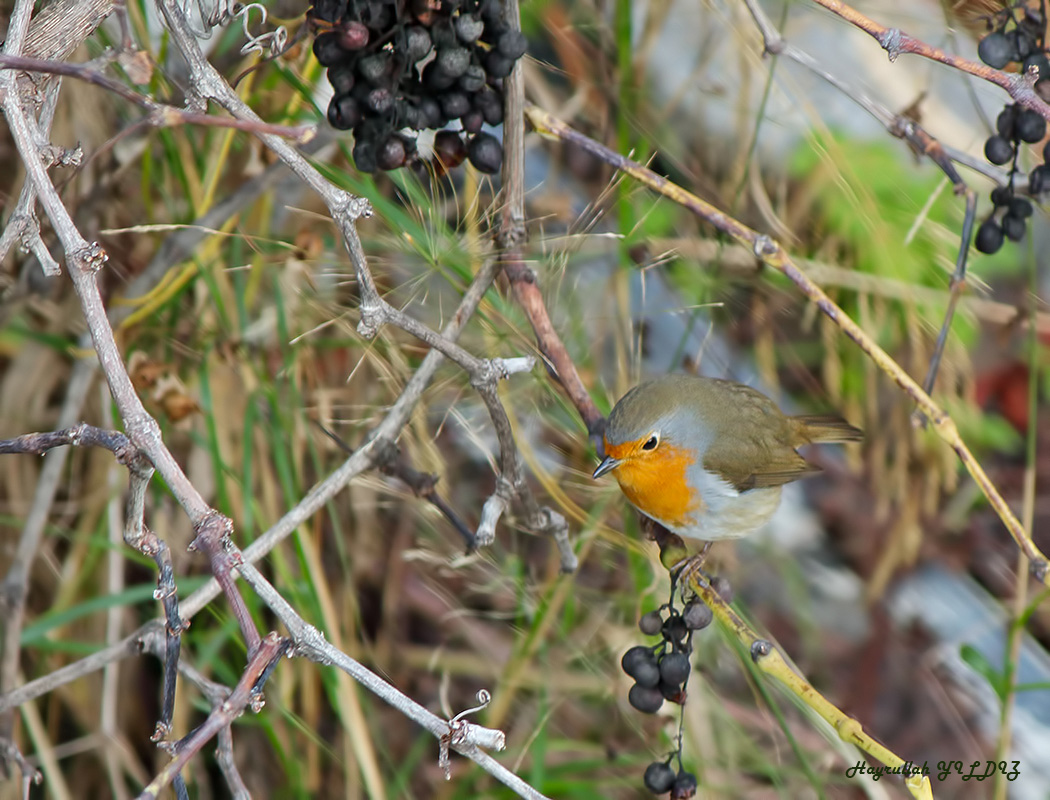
x=608, y=465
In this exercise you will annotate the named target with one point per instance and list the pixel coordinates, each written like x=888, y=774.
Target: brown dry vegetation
x=239, y=342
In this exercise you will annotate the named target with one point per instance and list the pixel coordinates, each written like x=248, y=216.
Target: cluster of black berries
x=397, y=67
x=1019, y=41
x=661, y=777
x=661, y=672
x=1009, y=212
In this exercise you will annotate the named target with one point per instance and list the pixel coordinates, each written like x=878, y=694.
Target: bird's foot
x=689, y=568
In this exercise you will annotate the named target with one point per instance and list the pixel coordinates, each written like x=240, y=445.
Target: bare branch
x=131, y=645
x=921, y=143
x=248, y=691
x=213, y=538
x=160, y=115
x=310, y=642
x=23, y=225
x=894, y=41
x=423, y=484
x=84, y=260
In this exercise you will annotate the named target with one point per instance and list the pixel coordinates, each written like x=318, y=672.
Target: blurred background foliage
x=241, y=345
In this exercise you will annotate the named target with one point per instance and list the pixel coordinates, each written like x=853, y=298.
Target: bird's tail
x=828, y=428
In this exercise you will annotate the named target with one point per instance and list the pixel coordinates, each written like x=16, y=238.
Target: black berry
x=327, y=49
x=450, y=150
x=364, y=154
x=1013, y=227
x=391, y=154
x=512, y=45
x=674, y=629
x=436, y=78
x=430, y=111
x=490, y=105
x=674, y=668
x=1039, y=179
x=468, y=28
x=341, y=76
x=343, y=112
x=640, y=663
x=674, y=692
x=1030, y=127
x=485, y=153
x=995, y=50
x=659, y=777
x=684, y=786
x=651, y=623
x=998, y=150
x=646, y=699
x=1021, y=42
x=328, y=10
x=417, y=43
x=375, y=68
x=453, y=61
x=473, y=80
x=454, y=104
x=352, y=35
x=1002, y=195
x=380, y=101
x=1040, y=63
x=498, y=65
x=1004, y=123
x=697, y=615
x=1020, y=208
x=989, y=237
x=472, y=121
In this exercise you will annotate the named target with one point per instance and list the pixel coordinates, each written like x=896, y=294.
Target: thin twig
x=921, y=143
x=738, y=260
x=423, y=484
x=213, y=539
x=23, y=225
x=9, y=753
x=310, y=642
x=150, y=635
x=160, y=114
x=894, y=41
x=127, y=647
x=85, y=258
x=248, y=691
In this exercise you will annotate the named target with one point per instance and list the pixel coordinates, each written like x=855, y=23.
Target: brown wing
x=754, y=443
x=745, y=468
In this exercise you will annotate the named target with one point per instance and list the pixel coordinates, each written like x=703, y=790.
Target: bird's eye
x=651, y=442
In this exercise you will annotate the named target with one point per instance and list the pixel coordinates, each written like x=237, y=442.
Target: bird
x=707, y=457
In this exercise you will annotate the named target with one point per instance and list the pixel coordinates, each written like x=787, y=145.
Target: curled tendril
x=274, y=40
x=204, y=16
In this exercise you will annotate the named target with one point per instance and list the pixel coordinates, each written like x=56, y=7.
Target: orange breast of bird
x=656, y=484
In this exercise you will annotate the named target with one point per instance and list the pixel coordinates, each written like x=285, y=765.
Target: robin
x=706, y=458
